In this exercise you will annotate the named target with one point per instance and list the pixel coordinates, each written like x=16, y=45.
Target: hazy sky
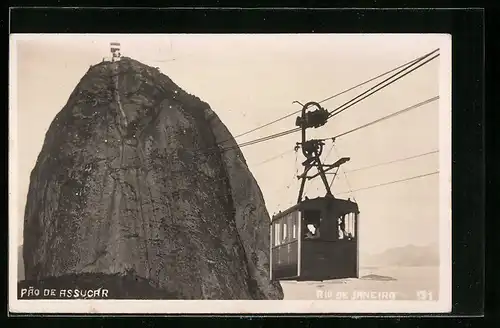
x=250, y=80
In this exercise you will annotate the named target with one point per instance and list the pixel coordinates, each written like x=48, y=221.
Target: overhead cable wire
x=379, y=76
x=274, y=157
x=371, y=91
x=366, y=125
x=273, y=136
x=420, y=104
x=219, y=148
x=407, y=69
x=393, y=161
x=280, y=134
x=391, y=182
x=350, y=190
x=329, y=151
x=346, y=179
x=338, y=109
x=333, y=96
x=331, y=148
x=263, y=126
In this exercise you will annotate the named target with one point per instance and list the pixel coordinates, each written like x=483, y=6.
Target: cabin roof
x=318, y=202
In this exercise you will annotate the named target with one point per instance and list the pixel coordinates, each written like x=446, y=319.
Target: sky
x=250, y=80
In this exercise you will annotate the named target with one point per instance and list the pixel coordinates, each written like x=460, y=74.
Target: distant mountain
x=409, y=255
x=20, y=263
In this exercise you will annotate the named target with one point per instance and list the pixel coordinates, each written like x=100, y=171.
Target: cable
x=337, y=111
x=389, y=116
x=273, y=136
x=328, y=154
x=219, y=148
x=391, y=182
x=335, y=95
x=378, y=76
x=394, y=161
x=331, y=148
x=384, y=118
x=346, y=179
x=280, y=134
x=387, y=79
x=267, y=124
x=273, y=158
x=277, y=135
x=326, y=157
x=349, y=186
x=340, y=109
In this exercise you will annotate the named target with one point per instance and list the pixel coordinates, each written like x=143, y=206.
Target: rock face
x=131, y=182
x=20, y=263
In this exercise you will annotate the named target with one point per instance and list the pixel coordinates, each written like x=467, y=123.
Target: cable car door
x=285, y=263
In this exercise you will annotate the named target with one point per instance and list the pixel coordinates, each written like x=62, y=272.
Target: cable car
x=317, y=239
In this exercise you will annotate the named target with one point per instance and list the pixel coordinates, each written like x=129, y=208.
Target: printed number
x=424, y=295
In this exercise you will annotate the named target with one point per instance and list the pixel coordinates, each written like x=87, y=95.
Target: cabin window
x=285, y=229
x=311, y=224
x=276, y=234
x=289, y=233
x=347, y=226
x=350, y=221
x=293, y=220
x=351, y=226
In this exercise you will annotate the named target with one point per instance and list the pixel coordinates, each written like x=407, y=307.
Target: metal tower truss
x=313, y=148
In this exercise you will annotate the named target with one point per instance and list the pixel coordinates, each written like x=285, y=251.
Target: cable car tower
x=312, y=149
x=115, y=48
x=316, y=239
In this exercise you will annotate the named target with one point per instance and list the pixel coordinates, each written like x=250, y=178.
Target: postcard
x=230, y=173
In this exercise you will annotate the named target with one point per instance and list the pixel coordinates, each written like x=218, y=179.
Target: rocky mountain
x=409, y=255
x=131, y=187
x=20, y=263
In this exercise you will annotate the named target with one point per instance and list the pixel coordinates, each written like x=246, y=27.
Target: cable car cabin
x=315, y=240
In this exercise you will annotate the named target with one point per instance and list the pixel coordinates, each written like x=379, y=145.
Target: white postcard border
x=442, y=305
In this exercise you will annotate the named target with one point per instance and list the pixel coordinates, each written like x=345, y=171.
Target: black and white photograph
x=230, y=173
